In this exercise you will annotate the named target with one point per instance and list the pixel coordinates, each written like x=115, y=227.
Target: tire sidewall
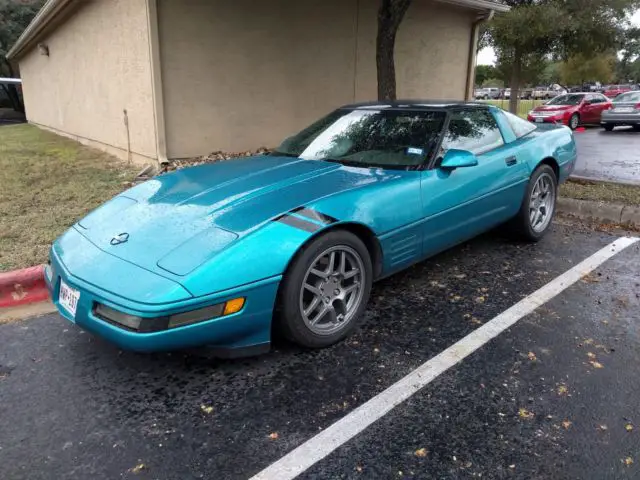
x=288, y=316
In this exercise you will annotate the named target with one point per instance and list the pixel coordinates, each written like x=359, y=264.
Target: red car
x=612, y=91
x=572, y=109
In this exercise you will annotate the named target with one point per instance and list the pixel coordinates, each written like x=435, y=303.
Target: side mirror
x=455, y=158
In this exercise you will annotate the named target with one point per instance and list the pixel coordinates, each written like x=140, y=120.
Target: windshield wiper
x=276, y=153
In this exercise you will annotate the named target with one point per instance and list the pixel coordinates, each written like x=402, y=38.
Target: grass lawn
x=47, y=183
x=601, y=191
x=524, y=106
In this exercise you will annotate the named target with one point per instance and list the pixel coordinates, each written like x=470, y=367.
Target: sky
x=486, y=56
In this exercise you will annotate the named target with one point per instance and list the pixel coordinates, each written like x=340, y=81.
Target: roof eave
x=486, y=5
x=50, y=10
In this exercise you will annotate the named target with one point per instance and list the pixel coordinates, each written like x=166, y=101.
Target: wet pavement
x=550, y=398
x=611, y=156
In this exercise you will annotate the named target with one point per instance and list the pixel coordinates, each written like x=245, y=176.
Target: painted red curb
x=23, y=286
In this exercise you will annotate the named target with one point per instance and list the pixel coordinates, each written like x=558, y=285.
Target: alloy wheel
x=332, y=290
x=542, y=203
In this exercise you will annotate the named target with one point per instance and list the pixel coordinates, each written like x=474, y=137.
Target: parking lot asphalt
x=610, y=156
x=555, y=396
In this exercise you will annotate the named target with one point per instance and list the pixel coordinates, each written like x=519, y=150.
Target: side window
x=474, y=130
x=519, y=126
x=590, y=99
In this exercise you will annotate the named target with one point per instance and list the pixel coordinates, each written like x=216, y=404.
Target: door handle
x=510, y=161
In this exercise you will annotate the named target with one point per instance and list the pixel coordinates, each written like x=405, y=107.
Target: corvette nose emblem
x=121, y=238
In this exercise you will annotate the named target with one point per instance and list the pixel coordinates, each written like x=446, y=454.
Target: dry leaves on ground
x=421, y=452
x=526, y=414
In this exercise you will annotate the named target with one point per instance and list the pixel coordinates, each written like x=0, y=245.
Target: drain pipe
x=156, y=83
x=473, y=46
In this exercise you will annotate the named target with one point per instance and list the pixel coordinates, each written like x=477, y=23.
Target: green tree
x=15, y=15
x=535, y=30
x=484, y=73
x=582, y=68
x=390, y=15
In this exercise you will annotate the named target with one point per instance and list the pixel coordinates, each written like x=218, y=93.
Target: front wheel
x=325, y=290
x=574, y=121
x=539, y=205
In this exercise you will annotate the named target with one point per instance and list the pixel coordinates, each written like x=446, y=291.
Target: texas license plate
x=68, y=298
x=539, y=120
x=623, y=110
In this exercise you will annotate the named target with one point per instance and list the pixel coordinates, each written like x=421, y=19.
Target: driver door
x=459, y=204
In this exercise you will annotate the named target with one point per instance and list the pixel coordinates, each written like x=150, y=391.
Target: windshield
x=566, y=100
x=368, y=137
x=628, y=97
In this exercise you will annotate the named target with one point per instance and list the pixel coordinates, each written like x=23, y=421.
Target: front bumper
x=249, y=329
x=554, y=119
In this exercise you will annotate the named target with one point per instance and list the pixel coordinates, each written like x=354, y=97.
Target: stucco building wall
x=98, y=66
x=243, y=74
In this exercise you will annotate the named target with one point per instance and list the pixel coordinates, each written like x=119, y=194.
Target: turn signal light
x=233, y=306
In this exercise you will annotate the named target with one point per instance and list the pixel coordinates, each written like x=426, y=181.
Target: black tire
x=574, y=121
x=608, y=127
x=636, y=128
x=521, y=223
x=289, y=319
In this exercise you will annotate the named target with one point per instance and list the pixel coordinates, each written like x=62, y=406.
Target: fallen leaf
x=456, y=298
x=596, y=364
x=480, y=299
x=138, y=468
x=526, y=414
x=421, y=452
x=562, y=389
x=628, y=461
x=588, y=341
x=566, y=424
x=467, y=316
x=628, y=427
x=590, y=278
x=376, y=350
x=273, y=436
x=358, y=468
x=206, y=409
x=532, y=356
x=603, y=427
x=512, y=466
x=591, y=355
x=475, y=321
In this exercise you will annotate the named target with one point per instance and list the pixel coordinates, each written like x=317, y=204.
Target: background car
x=547, y=92
x=612, y=91
x=571, y=109
x=625, y=111
x=223, y=254
x=489, y=93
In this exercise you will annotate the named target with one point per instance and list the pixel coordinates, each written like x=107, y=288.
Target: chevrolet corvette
x=224, y=254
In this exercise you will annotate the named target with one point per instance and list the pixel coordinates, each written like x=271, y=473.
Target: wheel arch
x=553, y=163
x=360, y=230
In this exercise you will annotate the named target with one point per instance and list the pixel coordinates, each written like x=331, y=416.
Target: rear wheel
x=539, y=205
x=608, y=127
x=325, y=290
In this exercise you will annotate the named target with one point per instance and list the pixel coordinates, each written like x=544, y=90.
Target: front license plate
x=68, y=298
x=623, y=110
x=539, y=120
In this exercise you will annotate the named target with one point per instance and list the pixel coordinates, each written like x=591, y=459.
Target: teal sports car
x=221, y=255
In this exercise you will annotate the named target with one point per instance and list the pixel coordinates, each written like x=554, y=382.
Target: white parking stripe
x=321, y=445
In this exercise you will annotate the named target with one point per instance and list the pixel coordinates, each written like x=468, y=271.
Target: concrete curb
x=21, y=287
x=601, y=211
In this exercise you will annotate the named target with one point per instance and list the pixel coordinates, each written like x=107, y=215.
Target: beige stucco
x=243, y=74
x=98, y=66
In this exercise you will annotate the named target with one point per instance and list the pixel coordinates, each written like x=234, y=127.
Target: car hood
x=554, y=108
x=199, y=211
